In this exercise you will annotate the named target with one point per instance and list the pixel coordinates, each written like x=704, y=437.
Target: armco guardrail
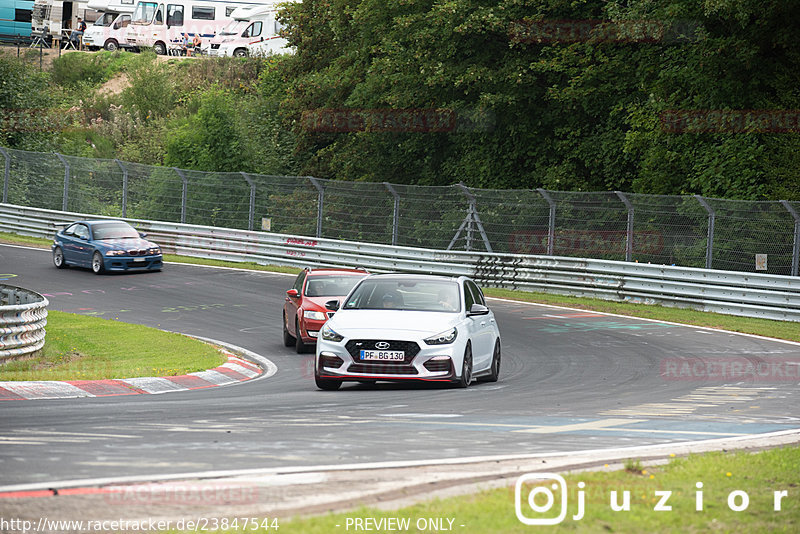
x=23, y=316
x=731, y=292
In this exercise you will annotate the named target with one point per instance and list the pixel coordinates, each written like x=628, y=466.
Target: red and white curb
x=234, y=371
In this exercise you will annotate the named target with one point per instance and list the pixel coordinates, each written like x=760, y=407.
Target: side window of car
x=70, y=230
x=81, y=231
x=469, y=298
x=298, y=282
x=477, y=293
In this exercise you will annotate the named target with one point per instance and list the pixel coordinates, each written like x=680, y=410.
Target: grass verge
x=492, y=512
x=90, y=348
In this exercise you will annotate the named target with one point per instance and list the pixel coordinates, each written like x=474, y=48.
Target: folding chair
x=39, y=39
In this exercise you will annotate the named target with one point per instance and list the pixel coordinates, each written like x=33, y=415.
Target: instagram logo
x=541, y=498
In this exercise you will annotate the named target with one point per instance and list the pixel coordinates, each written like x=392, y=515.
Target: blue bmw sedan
x=105, y=246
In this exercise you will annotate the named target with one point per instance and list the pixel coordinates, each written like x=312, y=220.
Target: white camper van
x=109, y=29
x=161, y=26
x=57, y=18
x=250, y=26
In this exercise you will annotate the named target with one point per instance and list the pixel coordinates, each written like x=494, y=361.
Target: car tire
x=288, y=339
x=240, y=52
x=327, y=384
x=111, y=45
x=58, y=258
x=494, y=370
x=466, y=368
x=299, y=346
x=160, y=49
x=97, y=263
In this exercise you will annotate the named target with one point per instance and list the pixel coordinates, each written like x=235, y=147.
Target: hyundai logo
x=382, y=345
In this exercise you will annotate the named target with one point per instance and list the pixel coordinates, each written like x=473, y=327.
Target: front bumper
x=133, y=263
x=433, y=363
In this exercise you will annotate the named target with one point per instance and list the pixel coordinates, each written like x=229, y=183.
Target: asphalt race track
x=570, y=381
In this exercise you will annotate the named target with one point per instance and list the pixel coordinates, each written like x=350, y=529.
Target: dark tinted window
x=298, y=282
x=476, y=293
x=174, y=15
x=22, y=15
x=203, y=13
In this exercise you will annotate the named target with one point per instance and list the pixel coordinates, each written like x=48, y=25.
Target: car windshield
x=114, y=230
x=235, y=27
x=414, y=294
x=330, y=286
x=105, y=20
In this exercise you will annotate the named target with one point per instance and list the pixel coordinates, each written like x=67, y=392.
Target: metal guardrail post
x=629, y=232
x=184, y=192
x=65, y=196
x=710, y=241
x=321, y=200
x=6, y=174
x=252, y=212
x=796, y=244
x=124, y=188
x=395, y=212
x=551, y=225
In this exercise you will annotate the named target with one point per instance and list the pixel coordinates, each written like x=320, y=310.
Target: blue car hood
x=127, y=244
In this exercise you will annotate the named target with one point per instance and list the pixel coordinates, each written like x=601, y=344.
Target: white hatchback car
x=409, y=327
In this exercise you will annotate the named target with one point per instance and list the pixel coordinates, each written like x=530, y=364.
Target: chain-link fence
x=689, y=231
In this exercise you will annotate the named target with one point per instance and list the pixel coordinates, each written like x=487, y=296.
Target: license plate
x=383, y=355
x=138, y=259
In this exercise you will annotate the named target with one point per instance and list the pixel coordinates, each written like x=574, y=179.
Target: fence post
x=6, y=174
x=184, y=193
x=252, y=213
x=629, y=233
x=395, y=212
x=124, y=188
x=710, y=241
x=551, y=225
x=796, y=245
x=321, y=199
x=65, y=196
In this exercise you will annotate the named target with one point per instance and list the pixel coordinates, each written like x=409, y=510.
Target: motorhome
x=56, y=18
x=15, y=18
x=108, y=31
x=250, y=26
x=161, y=26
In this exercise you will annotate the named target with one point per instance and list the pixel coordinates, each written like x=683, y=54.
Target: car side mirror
x=142, y=235
x=262, y=38
x=293, y=293
x=478, y=309
x=332, y=305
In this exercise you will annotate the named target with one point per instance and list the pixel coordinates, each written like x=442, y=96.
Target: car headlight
x=328, y=334
x=445, y=338
x=314, y=315
x=116, y=253
x=154, y=250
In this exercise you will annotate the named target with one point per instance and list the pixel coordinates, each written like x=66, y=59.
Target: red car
x=304, y=310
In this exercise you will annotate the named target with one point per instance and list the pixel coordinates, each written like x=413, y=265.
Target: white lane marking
x=214, y=377
x=632, y=451
x=239, y=269
x=153, y=384
x=424, y=415
x=76, y=434
x=45, y=390
x=269, y=367
x=240, y=369
x=755, y=336
x=589, y=425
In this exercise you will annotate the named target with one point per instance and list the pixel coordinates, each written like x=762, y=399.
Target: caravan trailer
x=53, y=18
x=108, y=31
x=251, y=27
x=161, y=26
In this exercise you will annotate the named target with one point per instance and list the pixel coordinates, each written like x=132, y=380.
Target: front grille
x=382, y=369
x=138, y=252
x=437, y=366
x=410, y=348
